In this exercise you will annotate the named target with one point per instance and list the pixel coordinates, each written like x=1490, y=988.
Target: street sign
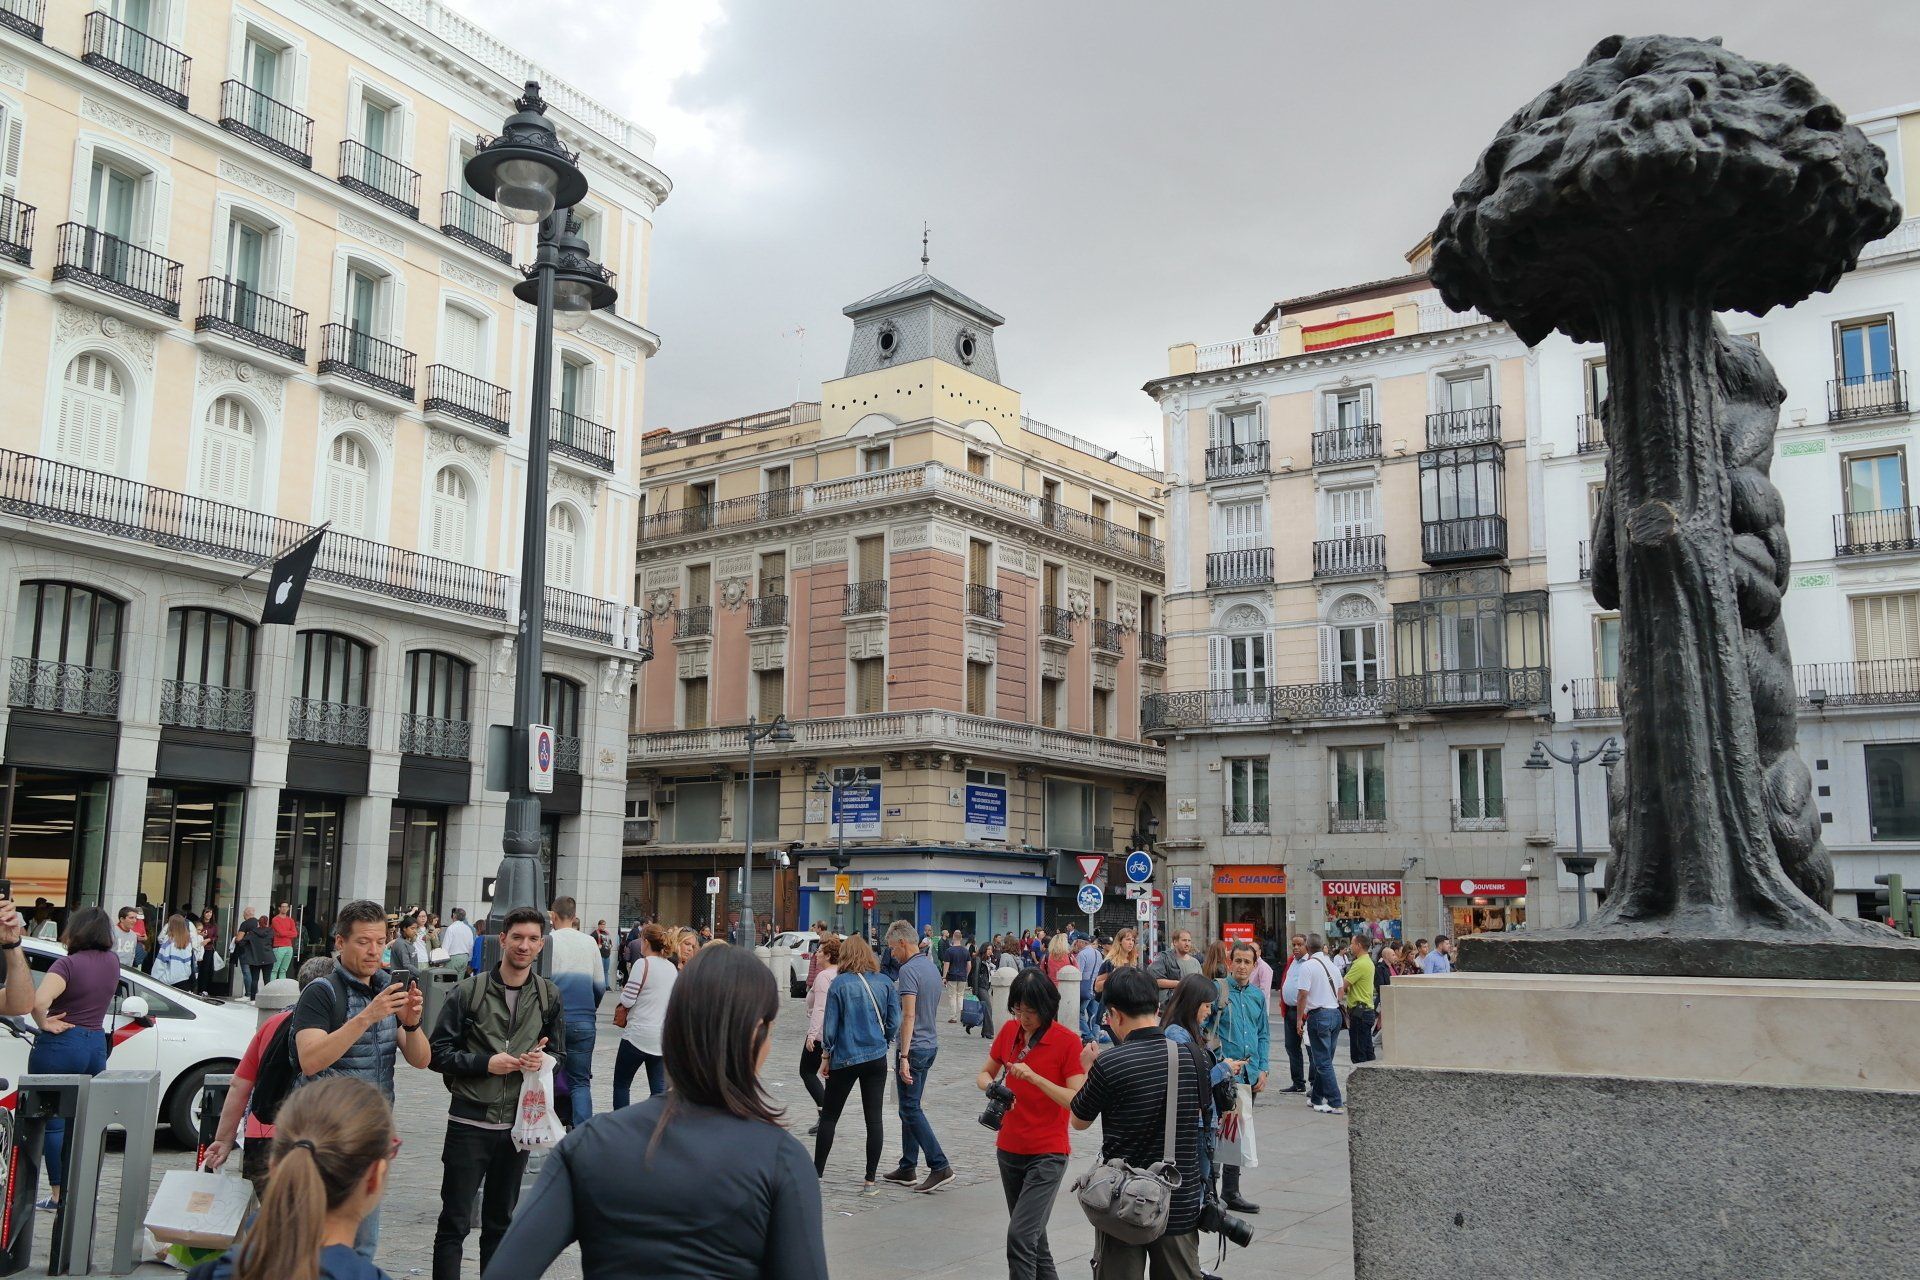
x=1091, y=865
x=713, y=885
x=1136, y=892
x=1158, y=898
x=1143, y=910
x=1183, y=894
x=1091, y=899
x=842, y=890
x=1139, y=866
x=540, y=750
x=867, y=898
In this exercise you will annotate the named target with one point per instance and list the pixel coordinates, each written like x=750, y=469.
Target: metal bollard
x=41, y=1098
x=126, y=1100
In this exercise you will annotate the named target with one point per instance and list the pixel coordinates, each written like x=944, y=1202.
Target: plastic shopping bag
x=201, y=1209
x=536, y=1125
x=1233, y=1132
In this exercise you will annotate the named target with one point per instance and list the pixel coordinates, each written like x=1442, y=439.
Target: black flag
x=289, y=581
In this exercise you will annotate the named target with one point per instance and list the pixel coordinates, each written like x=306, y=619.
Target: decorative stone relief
x=661, y=602
x=13, y=73
x=1353, y=606
x=694, y=661
x=800, y=556
x=949, y=537
x=662, y=577
x=737, y=565
x=120, y=122
x=1104, y=673
x=372, y=235
x=71, y=323
x=1009, y=556
x=768, y=653
x=734, y=591
x=221, y=371
x=258, y=183
x=911, y=537
x=1127, y=615
x=606, y=339
x=1241, y=617
x=982, y=647
x=1080, y=601
x=1150, y=683
x=1053, y=663
x=1127, y=593
x=615, y=675
x=867, y=638
x=336, y=410
x=470, y=278
x=559, y=481
x=439, y=442
x=1080, y=576
x=828, y=550
x=502, y=659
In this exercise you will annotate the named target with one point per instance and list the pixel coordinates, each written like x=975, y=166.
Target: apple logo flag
x=289, y=581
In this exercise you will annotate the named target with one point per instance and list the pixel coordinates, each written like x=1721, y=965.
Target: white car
x=150, y=1026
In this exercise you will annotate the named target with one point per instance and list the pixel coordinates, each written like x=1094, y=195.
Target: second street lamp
x=1608, y=754
x=779, y=733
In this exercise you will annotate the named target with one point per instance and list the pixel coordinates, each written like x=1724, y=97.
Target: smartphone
x=402, y=977
x=6, y=889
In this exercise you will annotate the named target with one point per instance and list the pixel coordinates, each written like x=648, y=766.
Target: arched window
x=66, y=650
x=563, y=544
x=435, y=722
x=209, y=675
x=226, y=453
x=1353, y=644
x=560, y=704
x=349, y=486
x=93, y=410
x=450, y=517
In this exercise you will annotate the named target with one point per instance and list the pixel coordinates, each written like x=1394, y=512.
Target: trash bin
x=440, y=983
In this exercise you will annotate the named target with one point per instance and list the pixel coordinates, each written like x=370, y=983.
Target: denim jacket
x=1240, y=1020
x=850, y=1034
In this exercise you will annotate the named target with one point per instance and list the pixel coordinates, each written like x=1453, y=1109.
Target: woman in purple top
x=71, y=1010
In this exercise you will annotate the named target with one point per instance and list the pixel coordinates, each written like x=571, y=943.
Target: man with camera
x=1033, y=1072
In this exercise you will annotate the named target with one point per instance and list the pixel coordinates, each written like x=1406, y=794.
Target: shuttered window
x=699, y=585
x=1242, y=526
x=773, y=573
x=349, y=481
x=450, y=518
x=977, y=673
x=869, y=686
x=226, y=453
x=1103, y=712
x=92, y=413
x=563, y=544
x=1886, y=627
x=773, y=695
x=873, y=559
x=977, y=553
x=464, y=339
x=695, y=694
x=1049, y=702
x=10, y=134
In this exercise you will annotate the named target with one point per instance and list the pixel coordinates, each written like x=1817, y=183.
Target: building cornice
x=1357, y=353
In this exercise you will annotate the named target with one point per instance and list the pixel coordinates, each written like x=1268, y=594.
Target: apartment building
x=951, y=603
x=247, y=292
x=1852, y=607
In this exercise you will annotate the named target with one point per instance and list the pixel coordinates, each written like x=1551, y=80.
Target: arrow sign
x=1139, y=866
x=1091, y=865
x=1137, y=892
x=1091, y=899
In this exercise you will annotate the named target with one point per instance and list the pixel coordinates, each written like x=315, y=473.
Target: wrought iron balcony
x=1226, y=461
x=435, y=736
x=1474, y=687
x=572, y=436
x=1586, y=562
x=566, y=752
x=1463, y=426
x=767, y=611
x=28, y=17
x=66, y=687
x=1355, y=699
x=983, y=602
x=1092, y=530
x=1350, y=557
x=336, y=724
x=133, y=57
x=1106, y=635
x=1590, y=434
x=1359, y=443
x=1153, y=648
x=1102, y=840
x=1466, y=538
x=266, y=122
x=1248, y=567
x=693, y=622
x=1246, y=819
x=1884, y=682
x=472, y=400
x=476, y=226
x=365, y=359
x=111, y=265
x=1596, y=698
x=230, y=308
x=1867, y=395
x=1866, y=533
x=379, y=178
x=865, y=597
x=1345, y=816
x=187, y=705
x=16, y=231
x=1056, y=623
x=1487, y=814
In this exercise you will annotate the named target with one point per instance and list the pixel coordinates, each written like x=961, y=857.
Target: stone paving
x=1304, y=1229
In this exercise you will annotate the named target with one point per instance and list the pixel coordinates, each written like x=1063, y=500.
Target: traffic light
x=1890, y=903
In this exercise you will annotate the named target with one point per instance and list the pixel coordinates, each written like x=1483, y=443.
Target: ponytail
x=327, y=1135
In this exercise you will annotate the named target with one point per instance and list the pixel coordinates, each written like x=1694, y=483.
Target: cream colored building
x=950, y=601
x=247, y=292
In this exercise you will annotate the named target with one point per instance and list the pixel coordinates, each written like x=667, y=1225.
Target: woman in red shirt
x=1039, y=1060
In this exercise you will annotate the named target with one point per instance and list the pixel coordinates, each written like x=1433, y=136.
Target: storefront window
x=1484, y=906
x=1369, y=907
x=306, y=864
x=56, y=838
x=416, y=850
x=1893, y=791
x=190, y=851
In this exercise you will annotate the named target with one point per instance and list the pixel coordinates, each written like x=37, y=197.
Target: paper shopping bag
x=198, y=1208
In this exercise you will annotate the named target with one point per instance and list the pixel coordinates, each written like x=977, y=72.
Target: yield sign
x=1091, y=865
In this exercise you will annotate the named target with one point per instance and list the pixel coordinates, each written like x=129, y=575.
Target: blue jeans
x=77, y=1051
x=579, y=1068
x=916, y=1131
x=626, y=1061
x=1323, y=1028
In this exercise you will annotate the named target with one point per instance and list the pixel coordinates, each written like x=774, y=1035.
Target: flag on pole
x=289, y=581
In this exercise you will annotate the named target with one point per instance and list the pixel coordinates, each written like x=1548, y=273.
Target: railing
x=1153, y=648
x=229, y=307
x=1245, y=819
x=365, y=359
x=1246, y=567
x=1865, y=533
x=28, y=17
x=693, y=621
x=1347, y=557
x=130, y=55
x=379, y=178
x=1586, y=562
x=187, y=705
x=1224, y=355
x=1475, y=687
x=16, y=230
x=1491, y=816
x=767, y=611
x=461, y=395
x=752, y=509
x=336, y=724
x=113, y=266
x=1465, y=538
x=983, y=602
x=1369, y=815
x=865, y=597
x=566, y=752
x=1884, y=682
x=1093, y=530
x=1596, y=698
x=1463, y=426
x=1229, y=460
x=1902, y=240
x=1346, y=444
x=572, y=436
x=1436, y=315
x=1867, y=395
x=1102, y=840
x=799, y=412
x=66, y=687
x=591, y=618
x=1056, y=622
x=474, y=225
x=435, y=736
x=1358, y=698
x=1589, y=434
x=266, y=122
x=636, y=830
x=1106, y=635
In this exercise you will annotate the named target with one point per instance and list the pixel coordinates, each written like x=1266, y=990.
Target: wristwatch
x=409, y=1029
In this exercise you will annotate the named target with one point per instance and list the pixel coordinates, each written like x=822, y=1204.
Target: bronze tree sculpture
x=1663, y=180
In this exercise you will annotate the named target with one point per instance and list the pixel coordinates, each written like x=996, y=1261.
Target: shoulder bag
x=620, y=1011
x=1132, y=1205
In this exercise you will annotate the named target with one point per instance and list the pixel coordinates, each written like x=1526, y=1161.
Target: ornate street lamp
x=1608, y=754
x=525, y=171
x=779, y=733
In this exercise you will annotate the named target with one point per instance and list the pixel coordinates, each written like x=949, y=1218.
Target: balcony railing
x=1106, y=635
x=133, y=57
x=566, y=752
x=1350, y=557
x=1884, y=682
x=636, y=830
x=693, y=622
x=1359, y=443
x=767, y=611
x=1866, y=533
x=1351, y=816
x=187, y=705
x=1586, y=562
x=1094, y=531
x=28, y=17
x=984, y=602
x=16, y=231
x=335, y=724
x=65, y=687
x=1153, y=648
x=1475, y=687
x=1229, y=460
x=379, y=178
x=1867, y=395
x=111, y=265
x=1463, y=426
x=1245, y=819
x=1102, y=841
x=572, y=436
x=1596, y=698
x=1358, y=698
x=1465, y=538
x=865, y=597
x=1485, y=815
x=435, y=736
x=231, y=308
x=266, y=122
x=1248, y=567
x=1589, y=434
x=461, y=395
x=1055, y=622
x=365, y=359
x=474, y=225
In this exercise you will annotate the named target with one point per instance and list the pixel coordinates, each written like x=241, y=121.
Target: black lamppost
x=533, y=179
x=825, y=784
x=779, y=733
x=1608, y=754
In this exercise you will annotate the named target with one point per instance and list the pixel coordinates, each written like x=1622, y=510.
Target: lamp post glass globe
x=524, y=190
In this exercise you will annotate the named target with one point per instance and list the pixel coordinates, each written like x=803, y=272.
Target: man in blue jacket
x=1240, y=1020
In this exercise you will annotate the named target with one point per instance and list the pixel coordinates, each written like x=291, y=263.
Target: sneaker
x=1331, y=1109
x=813, y=1130
x=1322, y=1106
x=903, y=1175
x=869, y=1188
x=48, y=1205
x=1295, y=1088
x=935, y=1180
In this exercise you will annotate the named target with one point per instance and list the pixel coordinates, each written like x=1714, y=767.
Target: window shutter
x=1265, y=668
x=773, y=694
x=696, y=704
x=1366, y=405
x=395, y=297
x=447, y=535
x=1886, y=627
x=1218, y=659
x=977, y=689
x=1329, y=654
x=1380, y=651
x=91, y=411
x=226, y=469
x=562, y=530
x=10, y=157
x=870, y=679
x=872, y=559
x=347, y=484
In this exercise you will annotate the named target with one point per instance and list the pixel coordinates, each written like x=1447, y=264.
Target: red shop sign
x=1236, y=932
x=1483, y=888
x=1360, y=888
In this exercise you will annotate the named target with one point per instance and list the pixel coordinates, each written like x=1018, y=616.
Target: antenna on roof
x=925, y=232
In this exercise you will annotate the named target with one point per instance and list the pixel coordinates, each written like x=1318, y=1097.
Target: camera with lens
x=1214, y=1218
x=999, y=1102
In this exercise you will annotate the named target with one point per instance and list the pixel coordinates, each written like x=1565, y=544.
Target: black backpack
x=277, y=1074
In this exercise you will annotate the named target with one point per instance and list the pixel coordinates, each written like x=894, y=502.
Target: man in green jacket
x=493, y=1026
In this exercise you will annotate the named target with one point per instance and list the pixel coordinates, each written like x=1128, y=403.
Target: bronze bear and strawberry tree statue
x=1662, y=181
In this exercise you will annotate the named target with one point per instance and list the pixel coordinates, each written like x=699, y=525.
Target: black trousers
x=810, y=1075
x=1360, y=1022
x=474, y=1162
x=1030, y=1183
x=872, y=1079
x=1296, y=1067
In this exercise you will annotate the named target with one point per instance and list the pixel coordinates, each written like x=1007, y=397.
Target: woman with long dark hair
x=753, y=1207
x=212, y=976
x=70, y=1009
x=863, y=1012
x=1188, y=1011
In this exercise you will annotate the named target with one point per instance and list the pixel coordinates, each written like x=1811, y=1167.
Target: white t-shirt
x=647, y=1003
x=1317, y=977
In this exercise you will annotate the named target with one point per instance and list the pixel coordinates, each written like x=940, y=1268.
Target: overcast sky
x=1113, y=178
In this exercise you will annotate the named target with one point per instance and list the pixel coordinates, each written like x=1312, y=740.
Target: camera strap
x=1024, y=1051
